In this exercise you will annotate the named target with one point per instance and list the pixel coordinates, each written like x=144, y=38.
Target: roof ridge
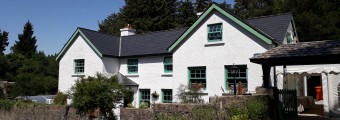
x=272, y=15
x=151, y=32
x=97, y=32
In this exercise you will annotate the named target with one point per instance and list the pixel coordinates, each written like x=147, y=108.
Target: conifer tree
x=3, y=41
x=27, y=42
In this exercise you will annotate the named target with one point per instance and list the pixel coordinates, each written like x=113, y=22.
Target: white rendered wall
x=239, y=46
x=150, y=76
x=78, y=50
x=290, y=30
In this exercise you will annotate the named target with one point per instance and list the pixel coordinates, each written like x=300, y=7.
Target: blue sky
x=54, y=21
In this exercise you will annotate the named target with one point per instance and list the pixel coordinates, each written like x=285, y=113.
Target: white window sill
x=78, y=75
x=132, y=75
x=166, y=75
x=211, y=44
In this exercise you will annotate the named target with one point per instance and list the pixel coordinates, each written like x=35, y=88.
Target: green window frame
x=215, y=32
x=167, y=64
x=167, y=95
x=242, y=75
x=197, y=75
x=79, y=66
x=144, y=96
x=132, y=65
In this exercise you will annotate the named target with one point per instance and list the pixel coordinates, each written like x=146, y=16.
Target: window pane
x=79, y=66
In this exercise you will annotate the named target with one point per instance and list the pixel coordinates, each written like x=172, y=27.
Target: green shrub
x=253, y=110
x=204, y=113
x=257, y=110
x=60, y=99
x=6, y=104
x=144, y=105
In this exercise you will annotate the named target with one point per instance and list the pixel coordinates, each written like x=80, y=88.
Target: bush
x=144, y=105
x=6, y=104
x=204, y=113
x=128, y=97
x=253, y=109
x=257, y=109
x=188, y=94
x=60, y=99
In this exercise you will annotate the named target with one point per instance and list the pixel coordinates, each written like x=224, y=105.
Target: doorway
x=312, y=82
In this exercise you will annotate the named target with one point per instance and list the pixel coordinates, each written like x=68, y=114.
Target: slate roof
x=273, y=25
x=315, y=49
x=150, y=43
x=106, y=44
x=125, y=80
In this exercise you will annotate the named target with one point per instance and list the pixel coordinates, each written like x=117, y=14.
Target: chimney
x=127, y=31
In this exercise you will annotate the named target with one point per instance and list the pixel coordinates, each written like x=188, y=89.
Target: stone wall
x=184, y=111
x=136, y=114
x=40, y=113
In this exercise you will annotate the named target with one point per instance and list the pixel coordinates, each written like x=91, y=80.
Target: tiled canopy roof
x=304, y=52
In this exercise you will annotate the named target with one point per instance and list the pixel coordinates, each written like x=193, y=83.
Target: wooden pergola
x=304, y=53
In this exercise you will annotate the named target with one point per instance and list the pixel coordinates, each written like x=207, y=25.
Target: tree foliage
x=27, y=42
x=154, y=15
x=98, y=92
x=3, y=41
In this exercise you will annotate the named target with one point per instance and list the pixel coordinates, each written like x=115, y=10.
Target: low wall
x=40, y=113
x=216, y=106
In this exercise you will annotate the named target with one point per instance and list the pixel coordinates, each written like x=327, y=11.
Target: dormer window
x=215, y=32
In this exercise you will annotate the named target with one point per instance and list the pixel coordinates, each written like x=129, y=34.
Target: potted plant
x=155, y=94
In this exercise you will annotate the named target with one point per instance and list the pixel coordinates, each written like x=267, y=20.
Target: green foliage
x=27, y=42
x=253, y=109
x=32, y=75
x=3, y=41
x=97, y=92
x=6, y=104
x=154, y=15
x=204, y=113
x=60, y=99
x=144, y=105
x=189, y=94
x=28, y=84
x=128, y=97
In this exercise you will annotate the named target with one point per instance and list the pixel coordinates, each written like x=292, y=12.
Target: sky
x=54, y=21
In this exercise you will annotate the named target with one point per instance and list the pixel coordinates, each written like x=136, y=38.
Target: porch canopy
x=304, y=53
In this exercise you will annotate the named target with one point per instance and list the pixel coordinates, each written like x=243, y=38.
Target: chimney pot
x=127, y=31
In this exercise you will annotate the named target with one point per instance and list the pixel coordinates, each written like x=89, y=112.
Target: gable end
x=69, y=43
x=249, y=28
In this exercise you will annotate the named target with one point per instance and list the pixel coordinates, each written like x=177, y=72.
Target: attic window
x=79, y=66
x=132, y=65
x=215, y=32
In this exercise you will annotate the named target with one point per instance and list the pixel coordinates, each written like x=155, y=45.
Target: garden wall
x=40, y=113
x=214, y=109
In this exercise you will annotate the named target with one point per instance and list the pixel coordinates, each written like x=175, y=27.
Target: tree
x=186, y=14
x=27, y=42
x=3, y=41
x=98, y=92
x=28, y=84
x=202, y=5
x=253, y=8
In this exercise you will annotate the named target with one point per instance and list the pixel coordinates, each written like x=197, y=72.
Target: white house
x=161, y=61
